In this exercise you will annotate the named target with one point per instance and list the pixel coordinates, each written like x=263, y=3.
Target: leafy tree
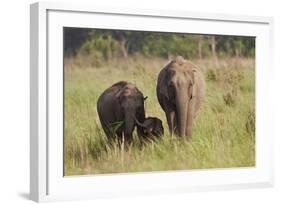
x=107, y=44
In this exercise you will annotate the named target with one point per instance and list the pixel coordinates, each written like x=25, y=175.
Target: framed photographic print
x=129, y=102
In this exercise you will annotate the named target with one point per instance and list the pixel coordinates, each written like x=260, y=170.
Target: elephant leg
x=128, y=139
x=190, y=117
x=124, y=140
x=171, y=119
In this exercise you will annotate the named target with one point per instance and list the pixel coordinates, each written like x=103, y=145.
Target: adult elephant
x=180, y=91
x=118, y=107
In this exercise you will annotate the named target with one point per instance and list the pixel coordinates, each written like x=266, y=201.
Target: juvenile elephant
x=152, y=128
x=180, y=91
x=118, y=107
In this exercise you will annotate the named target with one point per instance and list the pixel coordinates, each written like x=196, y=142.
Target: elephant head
x=177, y=87
x=151, y=128
x=131, y=103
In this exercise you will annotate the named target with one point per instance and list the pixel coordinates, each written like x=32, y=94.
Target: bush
x=102, y=46
x=211, y=75
x=229, y=79
x=250, y=122
x=229, y=98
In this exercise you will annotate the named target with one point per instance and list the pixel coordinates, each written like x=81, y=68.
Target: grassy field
x=223, y=133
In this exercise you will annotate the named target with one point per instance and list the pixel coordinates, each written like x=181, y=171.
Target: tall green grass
x=223, y=132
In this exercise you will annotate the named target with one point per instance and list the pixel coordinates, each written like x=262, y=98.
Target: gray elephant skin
x=152, y=128
x=180, y=90
x=118, y=107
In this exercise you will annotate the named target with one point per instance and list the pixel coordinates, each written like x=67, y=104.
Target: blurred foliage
x=101, y=44
x=250, y=123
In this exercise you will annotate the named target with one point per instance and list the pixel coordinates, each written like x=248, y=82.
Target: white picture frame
x=47, y=182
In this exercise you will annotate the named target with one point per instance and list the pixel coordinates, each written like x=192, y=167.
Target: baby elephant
x=152, y=128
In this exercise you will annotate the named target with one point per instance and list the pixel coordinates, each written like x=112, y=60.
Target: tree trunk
x=237, y=52
x=213, y=49
x=124, y=47
x=121, y=37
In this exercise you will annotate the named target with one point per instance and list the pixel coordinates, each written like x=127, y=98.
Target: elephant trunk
x=129, y=126
x=139, y=123
x=139, y=120
x=182, y=105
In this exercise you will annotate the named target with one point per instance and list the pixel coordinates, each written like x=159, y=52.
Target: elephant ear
x=163, y=89
x=194, y=87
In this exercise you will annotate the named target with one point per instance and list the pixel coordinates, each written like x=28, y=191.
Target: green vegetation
x=103, y=45
x=223, y=133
